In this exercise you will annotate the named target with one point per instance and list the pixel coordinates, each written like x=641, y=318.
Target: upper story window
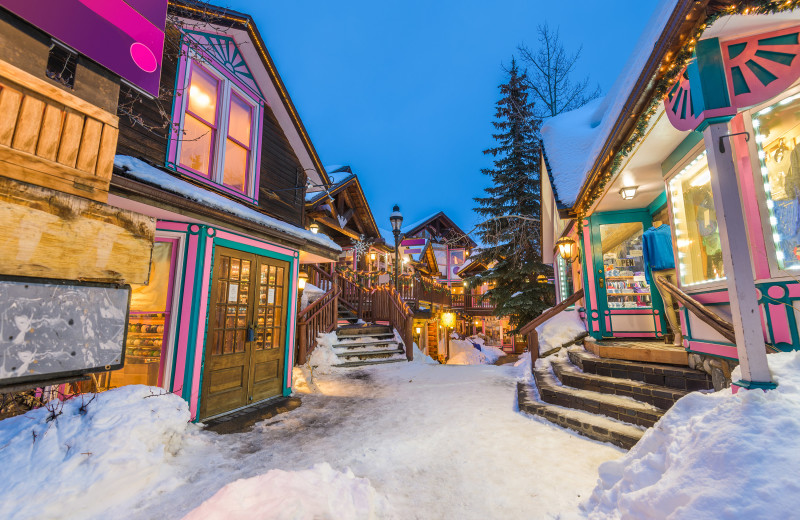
x=695, y=224
x=218, y=121
x=777, y=136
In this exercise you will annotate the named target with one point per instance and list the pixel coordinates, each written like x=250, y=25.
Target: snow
x=573, y=140
x=319, y=492
x=311, y=293
x=562, y=328
x=516, y=294
x=411, y=227
x=120, y=448
x=713, y=456
x=142, y=171
x=463, y=352
x=397, y=441
x=323, y=358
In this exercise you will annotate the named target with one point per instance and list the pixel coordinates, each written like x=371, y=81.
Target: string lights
x=670, y=70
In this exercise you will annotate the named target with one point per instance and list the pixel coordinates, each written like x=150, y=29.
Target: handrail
x=387, y=305
x=529, y=329
x=319, y=317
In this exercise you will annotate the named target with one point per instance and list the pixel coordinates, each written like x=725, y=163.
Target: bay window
x=219, y=129
x=695, y=224
x=777, y=136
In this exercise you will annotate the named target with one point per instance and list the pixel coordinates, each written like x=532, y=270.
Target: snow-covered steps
x=614, y=406
x=590, y=425
x=367, y=344
x=681, y=378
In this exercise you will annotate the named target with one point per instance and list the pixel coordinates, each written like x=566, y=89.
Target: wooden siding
x=143, y=134
x=52, y=138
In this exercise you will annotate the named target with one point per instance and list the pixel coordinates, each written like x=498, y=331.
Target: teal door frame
x=615, y=217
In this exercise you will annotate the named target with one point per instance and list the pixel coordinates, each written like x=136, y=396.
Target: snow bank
x=323, y=358
x=421, y=357
x=311, y=293
x=713, y=456
x=560, y=329
x=142, y=171
x=463, y=352
x=320, y=492
x=86, y=462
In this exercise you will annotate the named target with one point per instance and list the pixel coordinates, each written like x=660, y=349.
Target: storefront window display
x=623, y=265
x=149, y=323
x=564, y=278
x=695, y=224
x=777, y=136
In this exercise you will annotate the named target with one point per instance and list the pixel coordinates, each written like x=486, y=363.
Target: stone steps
x=365, y=363
x=370, y=353
x=367, y=344
x=587, y=424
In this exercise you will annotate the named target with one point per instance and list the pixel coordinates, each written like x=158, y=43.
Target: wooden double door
x=246, y=341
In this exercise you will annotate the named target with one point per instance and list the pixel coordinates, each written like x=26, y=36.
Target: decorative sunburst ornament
x=361, y=245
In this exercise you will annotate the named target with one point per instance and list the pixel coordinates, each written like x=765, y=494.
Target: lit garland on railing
x=671, y=71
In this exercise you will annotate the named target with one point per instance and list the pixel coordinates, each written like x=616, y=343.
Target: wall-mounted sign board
x=51, y=329
x=124, y=36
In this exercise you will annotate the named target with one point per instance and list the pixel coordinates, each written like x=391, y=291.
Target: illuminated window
x=623, y=265
x=219, y=133
x=777, y=135
x=695, y=224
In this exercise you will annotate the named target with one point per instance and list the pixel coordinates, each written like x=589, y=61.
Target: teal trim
x=287, y=390
x=180, y=294
x=721, y=343
x=783, y=58
x=739, y=82
x=711, y=355
x=176, y=88
x=786, y=39
x=683, y=149
x=657, y=204
x=752, y=385
x=762, y=74
x=736, y=49
x=709, y=87
x=713, y=121
x=252, y=249
x=195, y=316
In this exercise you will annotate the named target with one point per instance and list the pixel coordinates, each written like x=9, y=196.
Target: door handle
x=251, y=333
x=601, y=280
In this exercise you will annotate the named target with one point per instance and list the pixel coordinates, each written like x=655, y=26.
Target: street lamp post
x=396, y=218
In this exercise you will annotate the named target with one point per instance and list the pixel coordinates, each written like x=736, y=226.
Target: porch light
x=628, y=192
x=396, y=218
x=419, y=330
x=313, y=227
x=541, y=278
x=466, y=253
x=466, y=284
x=301, y=280
x=567, y=249
x=372, y=256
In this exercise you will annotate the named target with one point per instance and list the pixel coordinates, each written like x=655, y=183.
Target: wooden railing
x=318, y=318
x=529, y=330
x=703, y=313
x=354, y=296
x=471, y=301
x=51, y=138
x=417, y=289
x=387, y=305
x=318, y=277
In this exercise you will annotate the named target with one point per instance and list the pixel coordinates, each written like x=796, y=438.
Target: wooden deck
x=639, y=350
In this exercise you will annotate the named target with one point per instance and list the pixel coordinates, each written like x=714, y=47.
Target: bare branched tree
x=550, y=75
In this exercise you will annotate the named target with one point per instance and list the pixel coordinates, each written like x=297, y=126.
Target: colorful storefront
x=713, y=154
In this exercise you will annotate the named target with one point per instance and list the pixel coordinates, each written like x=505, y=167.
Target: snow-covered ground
x=406, y=440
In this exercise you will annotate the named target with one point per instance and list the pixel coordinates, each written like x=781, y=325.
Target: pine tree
x=511, y=229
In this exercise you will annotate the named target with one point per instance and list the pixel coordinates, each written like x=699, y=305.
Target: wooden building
x=220, y=161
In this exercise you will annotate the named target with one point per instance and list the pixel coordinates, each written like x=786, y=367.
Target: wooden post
x=738, y=266
x=409, y=329
x=302, y=341
x=533, y=347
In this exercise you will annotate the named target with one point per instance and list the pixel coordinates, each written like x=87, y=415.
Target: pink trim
x=712, y=297
x=608, y=324
x=198, y=49
x=255, y=243
x=163, y=225
x=642, y=334
x=186, y=312
x=780, y=324
x=794, y=290
x=615, y=312
x=202, y=319
x=785, y=74
x=714, y=349
x=587, y=253
x=168, y=311
x=657, y=321
x=292, y=325
x=758, y=251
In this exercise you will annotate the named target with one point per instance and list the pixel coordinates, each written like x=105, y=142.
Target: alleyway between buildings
x=436, y=441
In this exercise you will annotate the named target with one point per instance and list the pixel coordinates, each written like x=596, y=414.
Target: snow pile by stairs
x=713, y=456
x=357, y=345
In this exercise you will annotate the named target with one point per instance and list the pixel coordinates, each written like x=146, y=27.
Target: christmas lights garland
x=746, y=7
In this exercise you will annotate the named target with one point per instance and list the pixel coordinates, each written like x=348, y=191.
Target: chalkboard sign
x=51, y=329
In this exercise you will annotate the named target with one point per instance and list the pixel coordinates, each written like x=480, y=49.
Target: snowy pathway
x=436, y=441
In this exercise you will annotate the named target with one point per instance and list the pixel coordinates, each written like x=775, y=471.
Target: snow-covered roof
x=142, y=171
x=574, y=139
x=413, y=225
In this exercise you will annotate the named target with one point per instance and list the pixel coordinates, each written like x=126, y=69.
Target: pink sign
x=124, y=36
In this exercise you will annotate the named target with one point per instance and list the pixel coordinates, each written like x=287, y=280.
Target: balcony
x=471, y=304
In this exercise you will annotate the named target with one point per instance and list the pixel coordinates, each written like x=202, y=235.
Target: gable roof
x=350, y=187
x=420, y=225
x=231, y=19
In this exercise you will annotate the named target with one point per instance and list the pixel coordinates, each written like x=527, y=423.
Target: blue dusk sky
x=404, y=92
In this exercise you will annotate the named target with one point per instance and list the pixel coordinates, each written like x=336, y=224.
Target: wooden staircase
x=360, y=345
x=606, y=399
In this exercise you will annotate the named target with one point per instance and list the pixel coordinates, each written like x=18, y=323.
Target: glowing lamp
x=372, y=256
x=448, y=319
x=628, y=192
x=567, y=248
x=314, y=227
x=301, y=280
x=419, y=330
x=396, y=218
x=541, y=278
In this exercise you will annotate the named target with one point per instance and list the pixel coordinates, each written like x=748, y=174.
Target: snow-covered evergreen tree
x=511, y=230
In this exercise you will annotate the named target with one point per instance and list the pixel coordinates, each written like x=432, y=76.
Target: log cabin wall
x=144, y=126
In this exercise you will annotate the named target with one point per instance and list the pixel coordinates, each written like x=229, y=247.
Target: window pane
x=235, y=166
x=240, y=121
x=203, y=95
x=196, y=145
x=696, y=232
x=777, y=130
x=623, y=265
